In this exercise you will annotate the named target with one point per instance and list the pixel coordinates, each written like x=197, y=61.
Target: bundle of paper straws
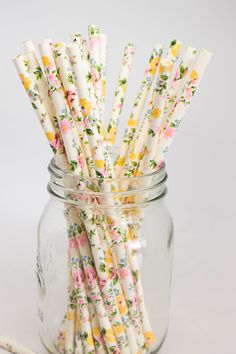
x=106, y=308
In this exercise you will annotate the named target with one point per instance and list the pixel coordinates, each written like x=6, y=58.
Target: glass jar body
x=149, y=240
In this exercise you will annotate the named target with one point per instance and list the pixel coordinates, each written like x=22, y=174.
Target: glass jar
x=104, y=264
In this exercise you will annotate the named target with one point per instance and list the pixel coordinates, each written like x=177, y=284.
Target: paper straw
x=173, y=50
x=102, y=54
x=91, y=115
x=65, y=120
x=138, y=148
x=83, y=78
x=66, y=124
x=138, y=107
x=14, y=347
x=37, y=103
x=102, y=160
x=103, y=169
x=77, y=36
x=82, y=303
x=99, y=341
x=158, y=103
x=95, y=138
x=35, y=70
x=127, y=60
x=68, y=82
x=178, y=82
x=155, y=118
x=70, y=152
x=111, y=264
x=167, y=135
x=91, y=275
x=97, y=59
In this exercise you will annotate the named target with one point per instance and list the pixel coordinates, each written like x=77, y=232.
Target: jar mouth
x=55, y=169
x=128, y=191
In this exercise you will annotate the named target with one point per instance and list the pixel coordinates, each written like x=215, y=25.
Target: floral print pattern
x=120, y=93
x=138, y=107
x=106, y=311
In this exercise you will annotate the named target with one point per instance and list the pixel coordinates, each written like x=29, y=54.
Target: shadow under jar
x=104, y=264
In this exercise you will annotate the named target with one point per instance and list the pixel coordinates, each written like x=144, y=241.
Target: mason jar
x=104, y=264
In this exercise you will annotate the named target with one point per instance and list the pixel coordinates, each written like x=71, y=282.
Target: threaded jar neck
x=122, y=192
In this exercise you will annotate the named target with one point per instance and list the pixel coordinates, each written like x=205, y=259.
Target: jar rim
x=55, y=169
x=63, y=185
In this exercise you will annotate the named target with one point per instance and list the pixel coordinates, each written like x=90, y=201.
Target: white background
x=201, y=163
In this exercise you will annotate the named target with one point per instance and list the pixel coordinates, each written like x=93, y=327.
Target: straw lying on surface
x=14, y=347
x=106, y=310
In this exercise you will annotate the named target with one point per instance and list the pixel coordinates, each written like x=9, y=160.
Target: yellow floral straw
x=37, y=102
x=155, y=118
x=127, y=60
x=159, y=98
x=129, y=330
x=31, y=88
x=173, y=50
x=136, y=151
x=81, y=246
x=36, y=71
x=103, y=53
x=65, y=71
x=181, y=105
x=68, y=132
x=66, y=75
x=178, y=81
x=66, y=123
x=138, y=107
x=14, y=347
x=97, y=59
x=98, y=253
x=103, y=167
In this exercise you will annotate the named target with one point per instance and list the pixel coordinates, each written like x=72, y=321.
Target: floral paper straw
x=69, y=338
x=70, y=139
x=103, y=166
x=36, y=71
x=97, y=59
x=91, y=115
x=137, y=151
x=68, y=82
x=155, y=118
x=103, y=53
x=173, y=50
x=37, y=103
x=82, y=303
x=178, y=82
x=138, y=107
x=188, y=91
x=14, y=347
x=101, y=158
x=128, y=57
x=95, y=276
x=65, y=120
x=165, y=69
